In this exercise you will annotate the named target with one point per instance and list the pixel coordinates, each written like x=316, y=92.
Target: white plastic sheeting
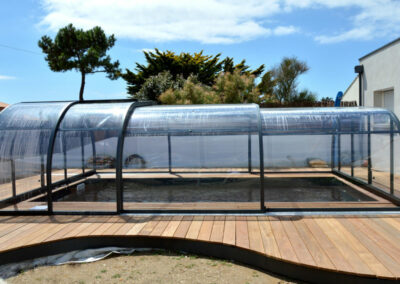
x=73, y=257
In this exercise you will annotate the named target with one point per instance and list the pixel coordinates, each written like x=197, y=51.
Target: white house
x=380, y=79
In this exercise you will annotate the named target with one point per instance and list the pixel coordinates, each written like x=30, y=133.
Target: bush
x=192, y=92
x=228, y=88
x=234, y=88
x=154, y=86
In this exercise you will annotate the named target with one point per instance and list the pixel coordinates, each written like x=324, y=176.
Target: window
x=384, y=99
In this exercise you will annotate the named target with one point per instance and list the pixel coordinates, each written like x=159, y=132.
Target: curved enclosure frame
x=127, y=156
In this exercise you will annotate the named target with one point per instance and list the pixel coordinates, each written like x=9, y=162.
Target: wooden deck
x=366, y=246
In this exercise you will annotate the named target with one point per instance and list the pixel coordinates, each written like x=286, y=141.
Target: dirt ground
x=149, y=267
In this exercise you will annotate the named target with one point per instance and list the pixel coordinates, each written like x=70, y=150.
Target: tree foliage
x=155, y=85
x=279, y=85
x=285, y=76
x=267, y=88
x=206, y=68
x=229, y=88
x=303, y=98
x=236, y=87
x=229, y=66
x=83, y=51
x=192, y=92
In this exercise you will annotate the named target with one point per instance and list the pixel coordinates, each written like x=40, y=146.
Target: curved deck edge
x=217, y=250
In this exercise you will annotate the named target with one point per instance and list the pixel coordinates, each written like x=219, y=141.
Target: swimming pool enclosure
x=206, y=158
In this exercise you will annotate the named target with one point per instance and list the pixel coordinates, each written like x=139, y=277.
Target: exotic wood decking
x=365, y=246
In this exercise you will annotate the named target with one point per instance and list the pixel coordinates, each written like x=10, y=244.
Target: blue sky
x=329, y=35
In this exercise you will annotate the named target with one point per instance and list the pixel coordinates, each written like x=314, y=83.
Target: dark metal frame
x=49, y=164
x=335, y=147
x=120, y=150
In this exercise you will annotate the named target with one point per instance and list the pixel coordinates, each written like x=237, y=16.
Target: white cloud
x=285, y=30
x=205, y=21
x=375, y=19
x=3, y=77
x=219, y=21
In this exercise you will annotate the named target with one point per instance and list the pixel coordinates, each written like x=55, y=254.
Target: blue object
x=339, y=97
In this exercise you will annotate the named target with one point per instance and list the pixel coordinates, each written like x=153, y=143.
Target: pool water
x=314, y=189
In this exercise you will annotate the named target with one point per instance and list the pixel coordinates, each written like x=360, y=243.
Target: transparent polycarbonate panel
x=24, y=138
x=200, y=178
x=72, y=153
x=361, y=159
x=193, y=119
x=25, y=116
x=380, y=161
x=323, y=120
x=334, y=152
x=380, y=150
x=192, y=158
x=346, y=153
x=87, y=142
x=95, y=116
x=297, y=152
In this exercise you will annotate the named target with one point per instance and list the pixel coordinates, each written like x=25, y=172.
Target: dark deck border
x=218, y=250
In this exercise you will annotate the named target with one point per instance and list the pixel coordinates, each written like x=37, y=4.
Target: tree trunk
x=82, y=86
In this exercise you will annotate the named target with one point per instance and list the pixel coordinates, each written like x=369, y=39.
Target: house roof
x=380, y=48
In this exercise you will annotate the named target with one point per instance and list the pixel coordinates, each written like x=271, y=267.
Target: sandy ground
x=149, y=267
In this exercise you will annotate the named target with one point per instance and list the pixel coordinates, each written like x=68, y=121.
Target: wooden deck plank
x=65, y=225
x=114, y=227
x=137, y=227
x=217, y=232
x=183, y=227
x=326, y=244
x=194, y=229
x=268, y=238
x=382, y=242
x=255, y=239
x=172, y=226
x=206, y=228
x=391, y=264
x=343, y=246
x=44, y=230
x=299, y=246
x=320, y=257
x=229, y=237
x=100, y=230
x=373, y=263
x=393, y=223
x=150, y=225
x=285, y=247
x=162, y=224
x=242, y=233
x=21, y=232
x=397, y=220
x=9, y=227
x=127, y=226
x=384, y=229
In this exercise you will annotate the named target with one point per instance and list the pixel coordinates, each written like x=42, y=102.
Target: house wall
x=382, y=72
x=352, y=93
